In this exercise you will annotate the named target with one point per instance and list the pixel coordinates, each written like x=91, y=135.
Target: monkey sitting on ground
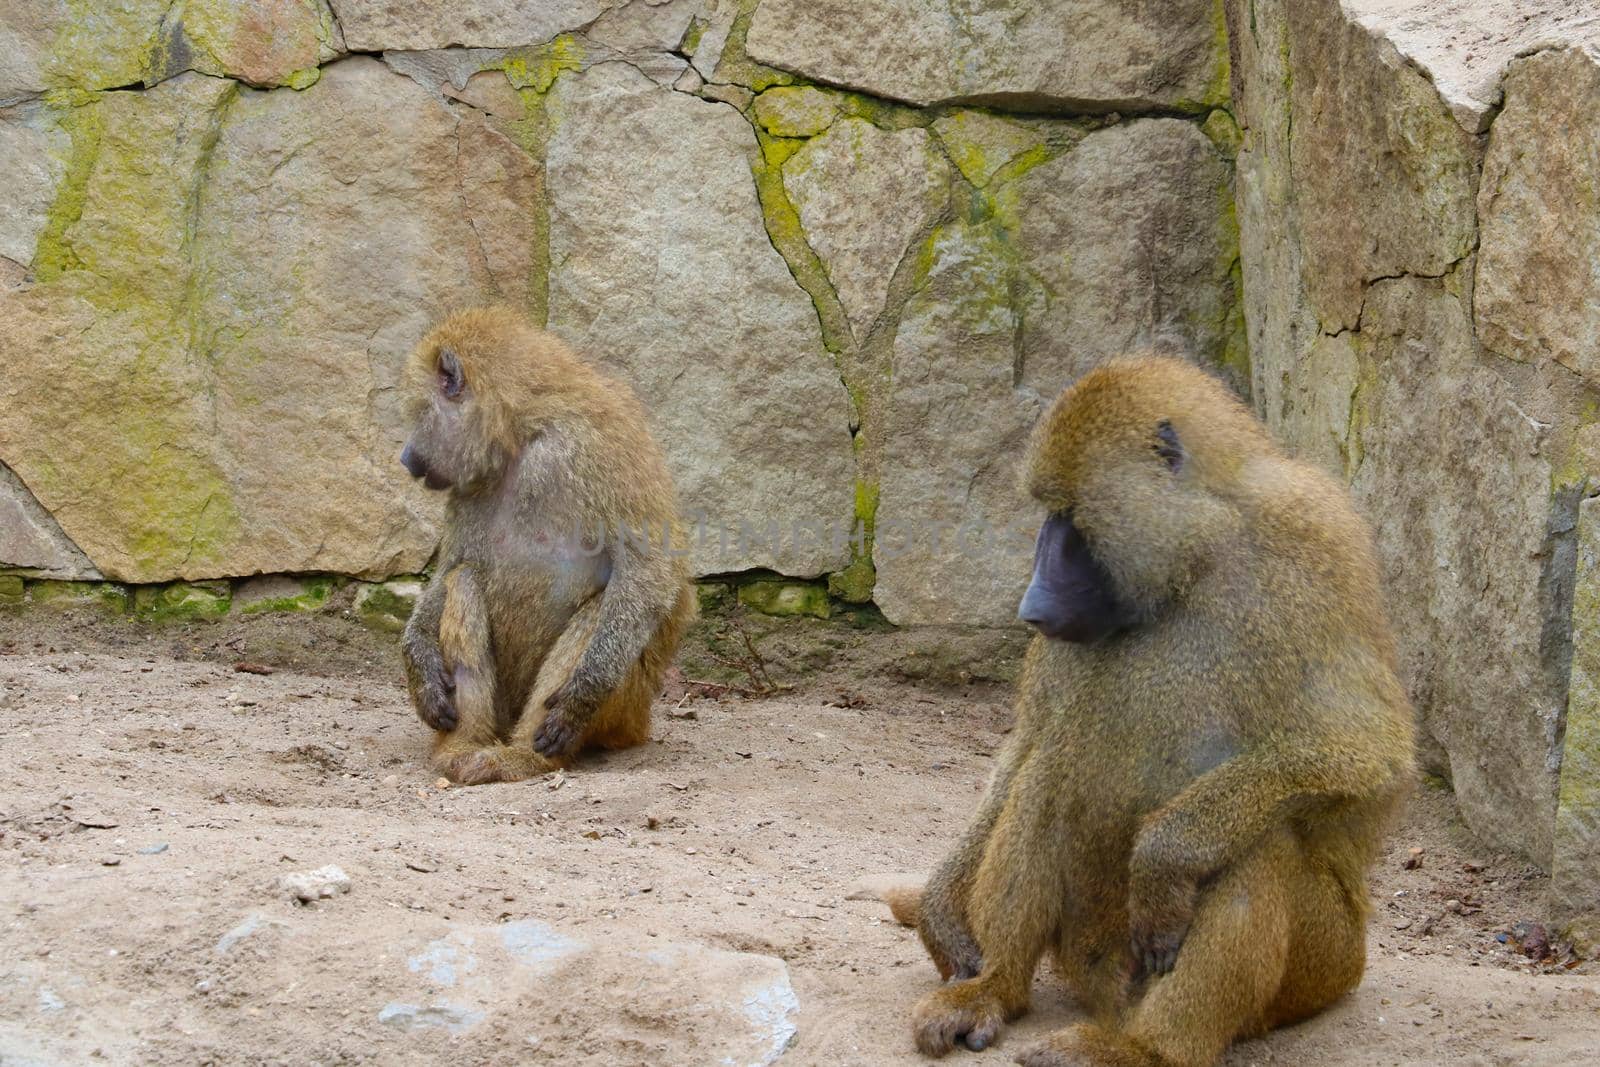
x=1210, y=740
x=560, y=592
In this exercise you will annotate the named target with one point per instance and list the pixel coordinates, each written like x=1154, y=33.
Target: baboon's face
x=448, y=448
x=1074, y=596
x=1071, y=596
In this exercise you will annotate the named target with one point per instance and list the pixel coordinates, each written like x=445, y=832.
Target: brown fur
x=519, y=635
x=1213, y=782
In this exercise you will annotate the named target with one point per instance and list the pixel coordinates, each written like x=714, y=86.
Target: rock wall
x=845, y=261
x=842, y=293
x=1416, y=188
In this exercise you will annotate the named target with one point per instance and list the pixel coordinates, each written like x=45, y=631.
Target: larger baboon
x=1210, y=739
x=561, y=589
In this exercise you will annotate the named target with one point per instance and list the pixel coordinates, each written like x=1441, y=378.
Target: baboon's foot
x=964, y=1012
x=1087, y=1045
x=496, y=763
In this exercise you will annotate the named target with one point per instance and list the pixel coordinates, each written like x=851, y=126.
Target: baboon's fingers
x=982, y=1035
x=1044, y=1056
x=962, y=1013
x=436, y=709
x=1155, y=952
x=558, y=736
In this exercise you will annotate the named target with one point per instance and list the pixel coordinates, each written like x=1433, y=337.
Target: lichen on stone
x=537, y=68
x=780, y=597
x=106, y=596
x=386, y=606
x=283, y=594
x=182, y=601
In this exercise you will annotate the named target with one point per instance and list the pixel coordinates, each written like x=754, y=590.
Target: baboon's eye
x=450, y=379
x=1167, y=445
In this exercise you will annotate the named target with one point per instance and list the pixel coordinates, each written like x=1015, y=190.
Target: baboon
x=1210, y=739
x=561, y=589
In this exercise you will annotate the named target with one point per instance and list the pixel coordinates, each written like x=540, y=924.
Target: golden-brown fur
x=551, y=620
x=1185, y=812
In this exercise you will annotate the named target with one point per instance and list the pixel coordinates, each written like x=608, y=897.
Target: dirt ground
x=151, y=795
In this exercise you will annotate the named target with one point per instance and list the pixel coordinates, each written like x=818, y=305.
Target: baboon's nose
x=412, y=462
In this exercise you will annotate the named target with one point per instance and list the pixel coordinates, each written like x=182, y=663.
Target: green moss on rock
x=713, y=596
x=11, y=590
x=855, y=583
x=1223, y=132
x=182, y=601
x=538, y=68
x=386, y=606
x=735, y=64
x=282, y=593
x=81, y=120
x=795, y=111
x=103, y=595
x=781, y=597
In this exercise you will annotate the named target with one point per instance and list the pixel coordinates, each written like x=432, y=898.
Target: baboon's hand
x=961, y=1012
x=568, y=715
x=433, y=693
x=1158, y=924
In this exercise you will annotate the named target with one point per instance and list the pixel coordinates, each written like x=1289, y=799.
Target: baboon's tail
x=905, y=904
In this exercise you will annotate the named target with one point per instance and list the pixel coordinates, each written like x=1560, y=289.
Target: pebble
x=320, y=884
x=153, y=850
x=110, y=861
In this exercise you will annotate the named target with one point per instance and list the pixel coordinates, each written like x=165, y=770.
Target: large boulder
x=1454, y=476
x=202, y=382
x=953, y=530
x=862, y=194
x=1539, y=265
x=1114, y=245
x=31, y=540
x=413, y=25
x=1383, y=176
x=1575, y=872
x=688, y=1003
x=662, y=269
x=33, y=147
x=1125, y=245
x=58, y=44
x=376, y=25
x=1464, y=48
x=1069, y=55
x=1387, y=266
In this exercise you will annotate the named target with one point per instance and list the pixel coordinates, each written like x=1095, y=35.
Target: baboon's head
x=469, y=382
x=1134, y=465
x=461, y=435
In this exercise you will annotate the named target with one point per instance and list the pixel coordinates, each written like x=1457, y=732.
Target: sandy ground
x=151, y=796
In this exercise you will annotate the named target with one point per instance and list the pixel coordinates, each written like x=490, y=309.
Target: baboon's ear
x=450, y=378
x=1168, y=447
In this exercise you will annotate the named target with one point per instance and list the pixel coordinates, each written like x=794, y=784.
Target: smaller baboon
x=561, y=588
x=1210, y=739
